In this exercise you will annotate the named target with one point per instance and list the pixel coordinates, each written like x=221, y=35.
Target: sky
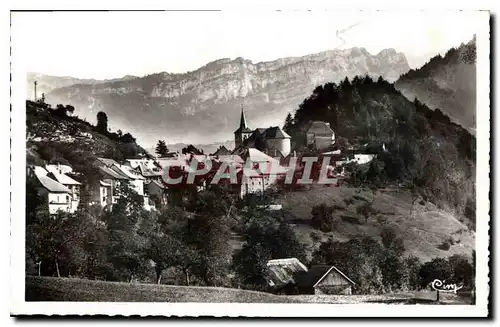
x=104, y=45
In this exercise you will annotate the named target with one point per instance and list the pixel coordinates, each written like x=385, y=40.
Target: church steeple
x=243, y=121
x=243, y=132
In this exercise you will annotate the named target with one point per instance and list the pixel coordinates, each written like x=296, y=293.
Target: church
x=273, y=140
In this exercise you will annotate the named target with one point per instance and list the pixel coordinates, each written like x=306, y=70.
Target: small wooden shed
x=282, y=274
x=325, y=279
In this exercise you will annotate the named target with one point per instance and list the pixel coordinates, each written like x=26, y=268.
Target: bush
x=322, y=218
x=438, y=268
x=348, y=201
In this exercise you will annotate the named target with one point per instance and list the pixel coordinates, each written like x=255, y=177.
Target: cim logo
x=441, y=286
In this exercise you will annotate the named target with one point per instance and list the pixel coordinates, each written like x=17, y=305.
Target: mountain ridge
x=211, y=96
x=447, y=83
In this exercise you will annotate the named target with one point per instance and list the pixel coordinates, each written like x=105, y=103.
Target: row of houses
x=150, y=178
x=59, y=185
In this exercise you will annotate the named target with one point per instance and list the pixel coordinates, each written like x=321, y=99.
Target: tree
x=127, y=242
x=391, y=242
x=375, y=177
x=266, y=238
x=34, y=202
x=127, y=138
x=102, y=122
x=412, y=265
x=438, y=268
x=62, y=111
x=322, y=217
x=393, y=271
x=463, y=270
x=288, y=126
x=366, y=211
x=51, y=239
x=127, y=254
x=161, y=149
x=168, y=243
x=209, y=232
x=358, y=258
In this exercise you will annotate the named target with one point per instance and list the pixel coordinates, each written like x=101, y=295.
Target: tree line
x=189, y=243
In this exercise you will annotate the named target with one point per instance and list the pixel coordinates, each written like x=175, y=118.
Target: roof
x=112, y=173
x=243, y=130
x=320, y=127
x=63, y=169
x=127, y=171
x=63, y=179
x=221, y=151
x=52, y=185
x=107, y=162
x=134, y=163
x=332, y=152
x=104, y=183
x=316, y=274
x=170, y=154
x=258, y=156
x=266, y=164
x=284, y=271
x=275, y=133
x=231, y=158
x=160, y=185
x=148, y=170
x=175, y=162
x=39, y=171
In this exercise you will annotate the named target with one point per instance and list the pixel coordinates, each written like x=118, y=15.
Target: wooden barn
x=324, y=279
x=282, y=274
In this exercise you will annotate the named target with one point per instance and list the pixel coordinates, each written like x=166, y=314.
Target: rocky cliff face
x=203, y=106
x=447, y=83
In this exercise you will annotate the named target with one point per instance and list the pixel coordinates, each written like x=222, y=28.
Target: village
x=151, y=178
x=261, y=161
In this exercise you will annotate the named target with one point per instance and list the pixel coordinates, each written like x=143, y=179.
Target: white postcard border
x=17, y=244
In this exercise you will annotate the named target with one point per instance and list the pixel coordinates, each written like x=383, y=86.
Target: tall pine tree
x=161, y=148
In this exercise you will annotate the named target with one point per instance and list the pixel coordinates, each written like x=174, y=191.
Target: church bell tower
x=243, y=132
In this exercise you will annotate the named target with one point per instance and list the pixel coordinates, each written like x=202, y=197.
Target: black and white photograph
x=250, y=163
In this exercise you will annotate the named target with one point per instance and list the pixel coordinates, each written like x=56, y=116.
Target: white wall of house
x=320, y=141
x=283, y=145
x=58, y=201
x=363, y=158
x=257, y=184
x=75, y=197
x=137, y=185
x=105, y=195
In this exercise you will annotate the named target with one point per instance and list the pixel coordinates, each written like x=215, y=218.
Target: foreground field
x=72, y=289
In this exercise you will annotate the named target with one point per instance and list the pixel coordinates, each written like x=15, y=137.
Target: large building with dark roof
x=273, y=140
